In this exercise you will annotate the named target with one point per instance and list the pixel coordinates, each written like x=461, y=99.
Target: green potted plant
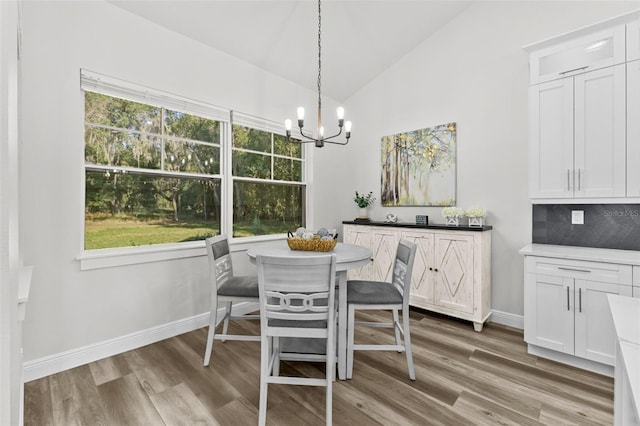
x=364, y=201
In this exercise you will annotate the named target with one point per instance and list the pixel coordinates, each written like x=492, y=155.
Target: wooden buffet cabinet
x=451, y=272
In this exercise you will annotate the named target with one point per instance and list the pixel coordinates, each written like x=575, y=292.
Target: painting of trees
x=419, y=167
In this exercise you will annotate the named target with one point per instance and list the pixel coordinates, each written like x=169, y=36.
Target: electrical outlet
x=577, y=217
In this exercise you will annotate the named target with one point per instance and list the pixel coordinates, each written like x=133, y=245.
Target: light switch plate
x=577, y=217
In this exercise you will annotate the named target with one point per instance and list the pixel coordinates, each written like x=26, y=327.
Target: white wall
x=10, y=325
x=475, y=73
x=69, y=308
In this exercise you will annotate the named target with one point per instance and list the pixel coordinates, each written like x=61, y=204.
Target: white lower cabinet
x=566, y=308
x=636, y=281
x=451, y=272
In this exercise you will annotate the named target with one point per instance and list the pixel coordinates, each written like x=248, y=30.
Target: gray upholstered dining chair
x=377, y=295
x=297, y=300
x=227, y=289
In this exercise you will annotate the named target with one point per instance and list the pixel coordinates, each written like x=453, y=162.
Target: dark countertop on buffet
x=413, y=225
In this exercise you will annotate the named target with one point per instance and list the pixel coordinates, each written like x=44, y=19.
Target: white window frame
x=120, y=256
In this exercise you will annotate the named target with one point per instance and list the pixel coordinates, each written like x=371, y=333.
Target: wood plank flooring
x=463, y=378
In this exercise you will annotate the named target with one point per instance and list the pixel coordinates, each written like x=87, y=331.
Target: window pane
x=247, y=138
x=247, y=164
x=287, y=169
x=264, y=208
x=127, y=209
x=289, y=148
x=114, y=148
x=109, y=111
x=188, y=126
x=191, y=157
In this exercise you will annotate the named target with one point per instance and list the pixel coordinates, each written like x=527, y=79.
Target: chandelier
x=320, y=139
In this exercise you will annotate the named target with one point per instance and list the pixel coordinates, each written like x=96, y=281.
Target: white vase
x=476, y=221
x=363, y=213
x=452, y=221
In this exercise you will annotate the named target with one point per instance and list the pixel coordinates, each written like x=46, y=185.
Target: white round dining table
x=348, y=256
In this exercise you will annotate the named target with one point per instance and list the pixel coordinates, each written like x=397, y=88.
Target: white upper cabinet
x=599, y=140
x=633, y=40
x=551, y=142
x=633, y=129
x=584, y=113
x=590, y=52
x=577, y=144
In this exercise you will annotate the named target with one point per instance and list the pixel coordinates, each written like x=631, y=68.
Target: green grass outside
x=127, y=231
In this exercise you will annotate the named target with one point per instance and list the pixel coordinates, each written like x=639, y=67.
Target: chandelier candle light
x=320, y=139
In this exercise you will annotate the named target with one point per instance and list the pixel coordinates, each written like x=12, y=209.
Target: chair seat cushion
x=297, y=324
x=372, y=293
x=240, y=286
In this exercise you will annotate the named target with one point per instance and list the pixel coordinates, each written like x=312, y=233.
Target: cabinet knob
x=430, y=268
x=435, y=269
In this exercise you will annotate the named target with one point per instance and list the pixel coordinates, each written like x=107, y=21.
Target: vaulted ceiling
x=360, y=38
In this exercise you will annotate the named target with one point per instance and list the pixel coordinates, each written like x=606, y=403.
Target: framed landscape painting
x=419, y=167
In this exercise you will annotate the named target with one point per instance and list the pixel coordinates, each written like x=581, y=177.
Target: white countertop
x=626, y=319
x=625, y=257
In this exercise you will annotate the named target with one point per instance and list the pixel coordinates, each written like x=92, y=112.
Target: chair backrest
x=403, y=268
x=296, y=288
x=220, y=265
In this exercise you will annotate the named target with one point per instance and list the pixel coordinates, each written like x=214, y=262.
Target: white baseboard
x=508, y=319
x=42, y=367
x=574, y=361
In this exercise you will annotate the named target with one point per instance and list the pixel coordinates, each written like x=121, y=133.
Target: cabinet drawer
x=590, y=52
x=591, y=271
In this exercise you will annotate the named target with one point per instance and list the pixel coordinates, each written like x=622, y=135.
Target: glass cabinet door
x=602, y=49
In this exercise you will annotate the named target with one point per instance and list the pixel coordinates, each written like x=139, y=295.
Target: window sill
x=109, y=258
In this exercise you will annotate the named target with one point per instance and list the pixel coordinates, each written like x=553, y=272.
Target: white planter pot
x=364, y=213
x=476, y=221
x=452, y=221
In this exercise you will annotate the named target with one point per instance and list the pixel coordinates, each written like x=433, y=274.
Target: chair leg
x=227, y=315
x=329, y=402
x=276, y=356
x=407, y=344
x=351, y=316
x=330, y=372
x=210, y=336
x=396, y=330
x=265, y=354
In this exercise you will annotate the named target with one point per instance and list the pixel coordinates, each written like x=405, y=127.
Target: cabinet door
x=421, y=277
x=600, y=133
x=595, y=335
x=551, y=145
x=633, y=40
x=453, y=272
x=359, y=235
x=384, y=244
x=633, y=129
x=549, y=321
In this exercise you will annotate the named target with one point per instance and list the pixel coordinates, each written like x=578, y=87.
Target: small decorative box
x=422, y=219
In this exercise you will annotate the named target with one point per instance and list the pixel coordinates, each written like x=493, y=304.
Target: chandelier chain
x=319, y=53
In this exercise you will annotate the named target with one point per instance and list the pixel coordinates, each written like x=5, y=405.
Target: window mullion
x=163, y=153
x=226, y=160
